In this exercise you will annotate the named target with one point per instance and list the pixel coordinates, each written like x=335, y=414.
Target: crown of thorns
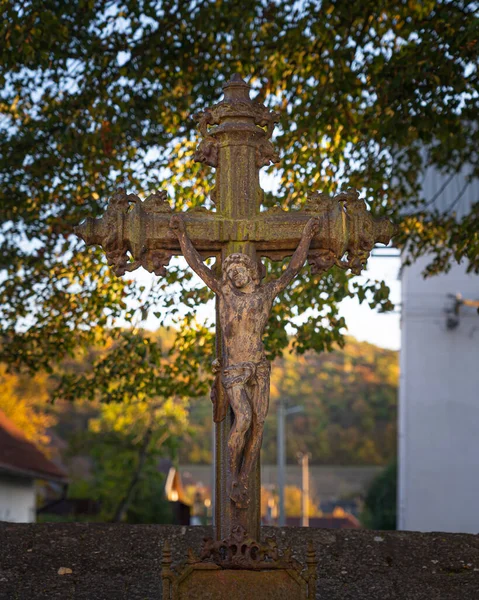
x=255, y=268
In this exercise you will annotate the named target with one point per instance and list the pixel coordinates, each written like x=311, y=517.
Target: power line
x=440, y=190
x=437, y=194
x=458, y=197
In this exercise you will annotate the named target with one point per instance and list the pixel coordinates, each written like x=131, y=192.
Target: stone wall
x=122, y=562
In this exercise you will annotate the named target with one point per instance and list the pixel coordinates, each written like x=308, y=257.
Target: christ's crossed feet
x=239, y=494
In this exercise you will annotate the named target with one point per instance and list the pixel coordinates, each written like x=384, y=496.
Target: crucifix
x=327, y=231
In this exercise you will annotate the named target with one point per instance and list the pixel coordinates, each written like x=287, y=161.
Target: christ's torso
x=243, y=317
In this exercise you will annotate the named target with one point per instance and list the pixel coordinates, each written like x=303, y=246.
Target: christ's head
x=240, y=271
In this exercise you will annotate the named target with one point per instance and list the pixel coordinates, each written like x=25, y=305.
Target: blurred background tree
x=124, y=444
x=98, y=93
x=24, y=401
x=380, y=503
x=141, y=399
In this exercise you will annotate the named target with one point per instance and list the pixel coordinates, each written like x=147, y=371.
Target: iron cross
x=236, y=141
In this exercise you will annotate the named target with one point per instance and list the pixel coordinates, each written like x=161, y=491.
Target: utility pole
x=303, y=458
x=281, y=461
x=283, y=412
x=213, y=476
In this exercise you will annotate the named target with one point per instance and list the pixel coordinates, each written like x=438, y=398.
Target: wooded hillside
x=112, y=439
x=349, y=398
x=350, y=402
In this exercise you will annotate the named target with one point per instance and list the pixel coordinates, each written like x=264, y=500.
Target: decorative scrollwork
x=116, y=248
x=205, y=118
x=321, y=261
x=157, y=203
x=121, y=202
x=348, y=219
x=155, y=261
x=276, y=210
x=219, y=562
x=263, y=117
x=241, y=551
x=363, y=232
x=109, y=232
x=319, y=202
x=266, y=154
x=329, y=210
x=236, y=107
x=231, y=107
x=207, y=152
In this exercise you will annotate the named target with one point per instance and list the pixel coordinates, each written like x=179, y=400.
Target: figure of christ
x=244, y=307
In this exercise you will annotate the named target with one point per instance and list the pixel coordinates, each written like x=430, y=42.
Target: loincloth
x=242, y=374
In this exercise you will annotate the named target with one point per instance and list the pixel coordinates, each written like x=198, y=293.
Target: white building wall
x=439, y=384
x=17, y=499
x=438, y=404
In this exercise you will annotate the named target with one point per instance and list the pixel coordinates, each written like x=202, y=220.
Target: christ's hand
x=299, y=257
x=178, y=227
x=177, y=224
x=311, y=228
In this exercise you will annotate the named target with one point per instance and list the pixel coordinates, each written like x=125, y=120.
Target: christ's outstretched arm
x=191, y=255
x=299, y=257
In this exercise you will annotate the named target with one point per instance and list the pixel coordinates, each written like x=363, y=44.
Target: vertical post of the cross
x=237, y=191
x=237, y=176
x=236, y=142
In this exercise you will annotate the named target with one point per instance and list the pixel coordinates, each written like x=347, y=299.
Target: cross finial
x=238, y=121
x=236, y=89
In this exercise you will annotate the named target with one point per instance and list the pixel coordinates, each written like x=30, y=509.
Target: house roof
x=19, y=456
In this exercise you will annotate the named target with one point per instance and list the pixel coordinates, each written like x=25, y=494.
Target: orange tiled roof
x=21, y=457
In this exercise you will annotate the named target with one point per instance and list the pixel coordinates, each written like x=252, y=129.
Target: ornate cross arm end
x=89, y=231
x=98, y=231
x=118, y=232
x=331, y=239
x=385, y=230
x=351, y=232
x=364, y=231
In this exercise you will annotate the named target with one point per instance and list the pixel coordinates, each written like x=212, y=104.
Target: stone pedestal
x=240, y=568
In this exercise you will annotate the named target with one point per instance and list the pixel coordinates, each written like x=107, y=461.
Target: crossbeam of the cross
x=328, y=231
x=135, y=233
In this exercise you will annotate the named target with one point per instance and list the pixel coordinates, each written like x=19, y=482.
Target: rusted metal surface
x=327, y=231
x=244, y=307
x=265, y=571
x=132, y=230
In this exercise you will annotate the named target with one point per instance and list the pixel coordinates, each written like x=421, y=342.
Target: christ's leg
x=239, y=402
x=259, y=403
